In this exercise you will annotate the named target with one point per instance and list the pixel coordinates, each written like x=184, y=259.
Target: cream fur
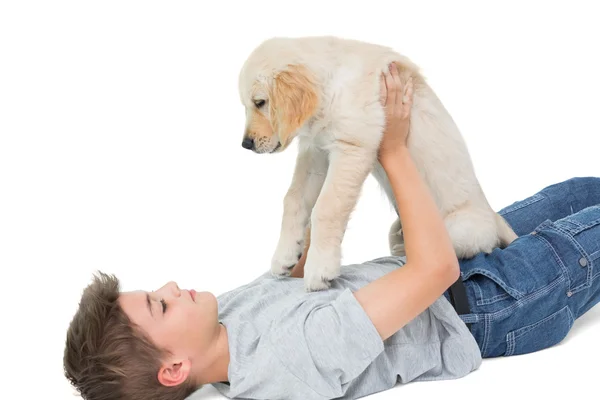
x=338, y=142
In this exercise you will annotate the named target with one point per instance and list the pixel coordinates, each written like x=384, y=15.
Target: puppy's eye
x=259, y=103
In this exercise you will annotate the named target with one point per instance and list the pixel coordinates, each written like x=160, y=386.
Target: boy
x=392, y=319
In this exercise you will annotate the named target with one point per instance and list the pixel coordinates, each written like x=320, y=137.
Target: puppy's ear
x=293, y=99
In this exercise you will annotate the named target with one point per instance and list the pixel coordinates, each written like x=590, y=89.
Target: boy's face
x=181, y=321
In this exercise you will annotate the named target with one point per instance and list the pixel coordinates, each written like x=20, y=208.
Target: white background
x=120, y=150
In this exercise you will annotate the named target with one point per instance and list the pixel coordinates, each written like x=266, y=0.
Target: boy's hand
x=397, y=100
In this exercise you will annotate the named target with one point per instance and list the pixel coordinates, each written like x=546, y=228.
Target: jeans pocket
x=576, y=239
x=540, y=335
x=489, y=287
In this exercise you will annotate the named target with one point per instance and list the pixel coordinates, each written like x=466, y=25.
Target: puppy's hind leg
x=505, y=232
x=349, y=166
x=472, y=231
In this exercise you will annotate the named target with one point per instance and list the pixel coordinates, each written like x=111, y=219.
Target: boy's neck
x=218, y=370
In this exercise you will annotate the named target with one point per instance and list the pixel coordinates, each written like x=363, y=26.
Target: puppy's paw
x=320, y=269
x=286, y=255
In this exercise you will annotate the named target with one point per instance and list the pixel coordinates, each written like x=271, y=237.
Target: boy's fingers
x=382, y=89
x=391, y=87
x=397, y=84
x=407, y=98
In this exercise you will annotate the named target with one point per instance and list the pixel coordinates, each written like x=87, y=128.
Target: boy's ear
x=174, y=373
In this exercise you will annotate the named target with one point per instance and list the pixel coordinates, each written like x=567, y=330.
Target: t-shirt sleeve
x=326, y=345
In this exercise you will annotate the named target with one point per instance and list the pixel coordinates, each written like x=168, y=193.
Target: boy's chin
x=205, y=298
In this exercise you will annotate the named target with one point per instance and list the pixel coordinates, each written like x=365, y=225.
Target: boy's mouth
x=193, y=294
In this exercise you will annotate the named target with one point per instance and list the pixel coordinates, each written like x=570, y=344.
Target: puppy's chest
x=318, y=133
x=323, y=133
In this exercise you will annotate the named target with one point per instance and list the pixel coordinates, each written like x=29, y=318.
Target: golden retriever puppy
x=325, y=91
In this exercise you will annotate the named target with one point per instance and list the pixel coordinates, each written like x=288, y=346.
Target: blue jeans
x=526, y=297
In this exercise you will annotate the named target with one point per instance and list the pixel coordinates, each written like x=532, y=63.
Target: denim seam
x=584, y=254
x=571, y=237
x=559, y=261
x=491, y=300
x=486, y=333
x=517, y=294
x=530, y=327
x=469, y=318
x=480, y=301
x=489, y=317
x=594, y=255
x=572, y=317
x=581, y=227
x=578, y=226
x=530, y=297
x=479, y=293
x=510, y=343
x=512, y=336
x=533, y=199
x=597, y=274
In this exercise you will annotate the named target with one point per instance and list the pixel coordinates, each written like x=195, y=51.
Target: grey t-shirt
x=286, y=343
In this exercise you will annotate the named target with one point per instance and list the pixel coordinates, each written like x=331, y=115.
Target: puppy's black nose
x=248, y=143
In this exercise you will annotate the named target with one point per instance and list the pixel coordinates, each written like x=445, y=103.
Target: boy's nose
x=174, y=288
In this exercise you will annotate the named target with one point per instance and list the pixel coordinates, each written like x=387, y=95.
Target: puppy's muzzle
x=248, y=143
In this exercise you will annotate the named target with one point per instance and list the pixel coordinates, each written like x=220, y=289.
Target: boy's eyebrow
x=149, y=304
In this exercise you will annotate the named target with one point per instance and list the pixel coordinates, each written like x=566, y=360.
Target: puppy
x=325, y=91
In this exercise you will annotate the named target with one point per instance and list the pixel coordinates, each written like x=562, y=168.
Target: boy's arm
x=339, y=339
x=431, y=264
x=396, y=298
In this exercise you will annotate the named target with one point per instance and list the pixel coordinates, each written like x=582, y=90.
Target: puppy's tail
x=505, y=232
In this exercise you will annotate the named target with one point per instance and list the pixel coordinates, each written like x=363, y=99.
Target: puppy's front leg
x=307, y=181
x=349, y=166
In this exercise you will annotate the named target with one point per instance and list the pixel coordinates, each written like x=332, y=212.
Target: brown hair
x=107, y=357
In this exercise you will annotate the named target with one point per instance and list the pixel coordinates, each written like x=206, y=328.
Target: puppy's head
x=278, y=99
